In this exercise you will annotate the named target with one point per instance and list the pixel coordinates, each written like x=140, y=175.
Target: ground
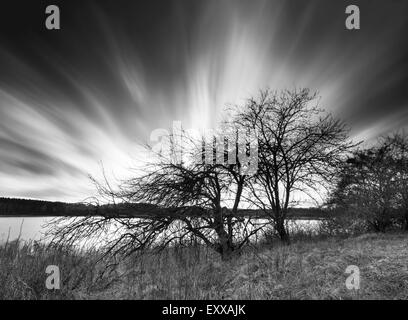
x=306, y=269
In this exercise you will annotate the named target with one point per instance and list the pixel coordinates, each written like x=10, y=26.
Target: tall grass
x=309, y=268
x=23, y=271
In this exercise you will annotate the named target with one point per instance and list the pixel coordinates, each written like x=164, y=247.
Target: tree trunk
x=281, y=230
x=225, y=249
x=227, y=253
x=225, y=244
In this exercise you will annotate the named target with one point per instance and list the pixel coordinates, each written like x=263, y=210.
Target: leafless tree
x=300, y=148
x=368, y=188
x=397, y=145
x=183, y=201
x=196, y=195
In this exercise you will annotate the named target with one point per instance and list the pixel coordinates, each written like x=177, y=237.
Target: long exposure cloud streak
x=91, y=93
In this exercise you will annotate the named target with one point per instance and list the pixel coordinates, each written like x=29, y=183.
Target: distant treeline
x=25, y=207
x=12, y=207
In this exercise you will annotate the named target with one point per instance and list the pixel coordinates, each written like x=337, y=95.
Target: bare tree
x=397, y=144
x=300, y=149
x=367, y=188
x=196, y=195
x=184, y=201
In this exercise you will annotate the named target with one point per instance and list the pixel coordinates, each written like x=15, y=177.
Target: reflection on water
x=32, y=228
x=29, y=228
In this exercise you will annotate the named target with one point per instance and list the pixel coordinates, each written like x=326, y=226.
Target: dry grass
x=23, y=271
x=316, y=270
x=307, y=269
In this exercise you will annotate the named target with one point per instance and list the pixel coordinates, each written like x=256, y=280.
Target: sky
x=89, y=95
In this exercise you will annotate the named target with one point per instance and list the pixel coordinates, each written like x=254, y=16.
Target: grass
x=309, y=268
x=23, y=271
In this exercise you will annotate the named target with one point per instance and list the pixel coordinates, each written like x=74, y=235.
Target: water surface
x=33, y=228
x=26, y=228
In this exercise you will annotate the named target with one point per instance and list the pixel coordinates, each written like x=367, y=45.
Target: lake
x=32, y=228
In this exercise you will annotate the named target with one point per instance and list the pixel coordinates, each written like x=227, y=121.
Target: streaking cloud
x=91, y=94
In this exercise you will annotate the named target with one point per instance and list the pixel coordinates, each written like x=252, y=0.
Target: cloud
x=92, y=92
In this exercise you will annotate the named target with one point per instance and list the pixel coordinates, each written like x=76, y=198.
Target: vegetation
x=309, y=268
x=300, y=148
x=204, y=182
x=23, y=266
x=373, y=185
x=178, y=229
x=13, y=207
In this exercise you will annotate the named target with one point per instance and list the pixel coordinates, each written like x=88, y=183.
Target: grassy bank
x=307, y=269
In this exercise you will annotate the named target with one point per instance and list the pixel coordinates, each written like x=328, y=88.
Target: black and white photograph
x=210, y=150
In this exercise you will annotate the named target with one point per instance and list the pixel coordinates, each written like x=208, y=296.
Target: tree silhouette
x=397, y=145
x=367, y=187
x=189, y=199
x=300, y=149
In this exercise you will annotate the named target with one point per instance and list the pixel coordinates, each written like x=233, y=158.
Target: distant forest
x=14, y=207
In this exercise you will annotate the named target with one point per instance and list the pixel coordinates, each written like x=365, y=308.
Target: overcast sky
x=93, y=91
